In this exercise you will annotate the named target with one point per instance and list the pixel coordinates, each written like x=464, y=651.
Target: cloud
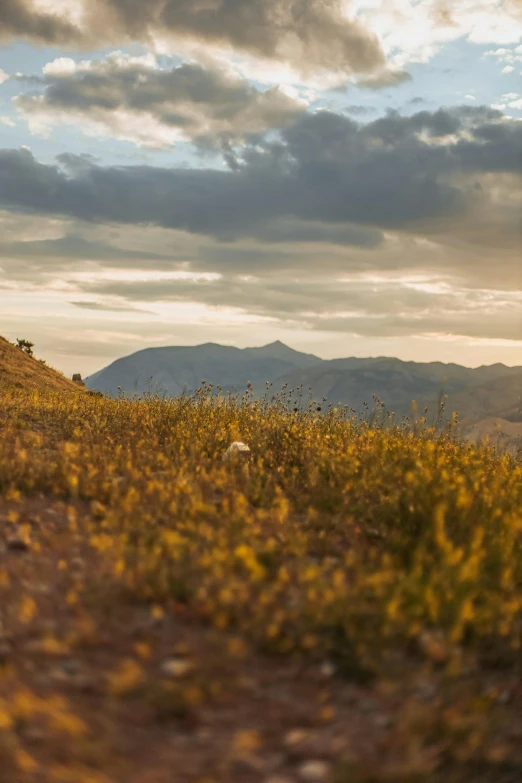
x=134, y=99
x=21, y=19
x=357, y=109
x=426, y=173
x=73, y=247
x=392, y=307
x=402, y=285
x=415, y=30
x=311, y=37
x=305, y=34
x=386, y=78
x=109, y=308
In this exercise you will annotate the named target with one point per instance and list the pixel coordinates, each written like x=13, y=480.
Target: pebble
x=383, y=721
x=279, y=779
x=327, y=669
x=434, y=646
x=5, y=651
x=426, y=691
x=72, y=666
x=16, y=544
x=237, y=450
x=295, y=737
x=77, y=565
x=314, y=771
x=177, y=667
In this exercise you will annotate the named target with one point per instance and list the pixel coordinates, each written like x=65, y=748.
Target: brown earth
x=81, y=668
x=22, y=371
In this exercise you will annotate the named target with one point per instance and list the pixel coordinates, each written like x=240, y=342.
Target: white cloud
x=508, y=69
x=414, y=30
x=7, y=121
x=62, y=66
x=3, y=76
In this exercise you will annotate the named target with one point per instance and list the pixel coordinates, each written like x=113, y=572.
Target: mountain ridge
x=488, y=390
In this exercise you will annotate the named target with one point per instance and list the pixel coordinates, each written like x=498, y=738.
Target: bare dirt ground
x=96, y=688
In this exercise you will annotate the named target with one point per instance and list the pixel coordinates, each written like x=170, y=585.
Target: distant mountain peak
x=278, y=350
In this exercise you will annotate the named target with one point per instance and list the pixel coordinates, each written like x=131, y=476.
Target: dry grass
x=392, y=557
x=21, y=371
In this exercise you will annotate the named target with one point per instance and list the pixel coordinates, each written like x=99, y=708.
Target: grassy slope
x=349, y=596
x=19, y=370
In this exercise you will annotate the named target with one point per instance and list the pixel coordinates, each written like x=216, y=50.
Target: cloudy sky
x=345, y=176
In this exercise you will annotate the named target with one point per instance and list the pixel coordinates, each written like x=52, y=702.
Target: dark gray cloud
x=358, y=109
x=120, y=93
x=74, y=247
x=390, y=309
x=307, y=34
x=428, y=171
x=19, y=19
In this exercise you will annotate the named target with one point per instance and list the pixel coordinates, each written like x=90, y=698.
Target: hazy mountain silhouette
x=493, y=390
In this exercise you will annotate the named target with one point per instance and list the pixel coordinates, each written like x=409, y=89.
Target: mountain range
x=477, y=394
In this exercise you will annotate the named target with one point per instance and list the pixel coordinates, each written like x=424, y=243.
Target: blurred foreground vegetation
x=373, y=550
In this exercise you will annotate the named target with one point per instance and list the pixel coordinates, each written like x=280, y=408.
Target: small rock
x=17, y=544
x=248, y=762
x=35, y=735
x=504, y=697
x=383, y=721
x=77, y=565
x=426, y=691
x=237, y=450
x=296, y=737
x=327, y=670
x=434, y=646
x=314, y=771
x=176, y=667
x=40, y=588
x=279, y=779
x=72, y=666
x=5, y=651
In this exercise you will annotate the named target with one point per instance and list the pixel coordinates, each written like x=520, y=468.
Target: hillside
x=474, y=393
x=501, y=397
x=19, y=370
x=342, y=607
x=503, y=434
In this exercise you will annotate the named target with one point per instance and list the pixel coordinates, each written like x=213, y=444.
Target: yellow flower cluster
x=334, y=538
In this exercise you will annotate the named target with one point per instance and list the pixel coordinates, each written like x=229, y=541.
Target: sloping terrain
x=504, y=435
x=19, y=370
x=501, y=397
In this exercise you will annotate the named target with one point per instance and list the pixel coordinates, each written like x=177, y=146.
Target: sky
x=345, y=177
